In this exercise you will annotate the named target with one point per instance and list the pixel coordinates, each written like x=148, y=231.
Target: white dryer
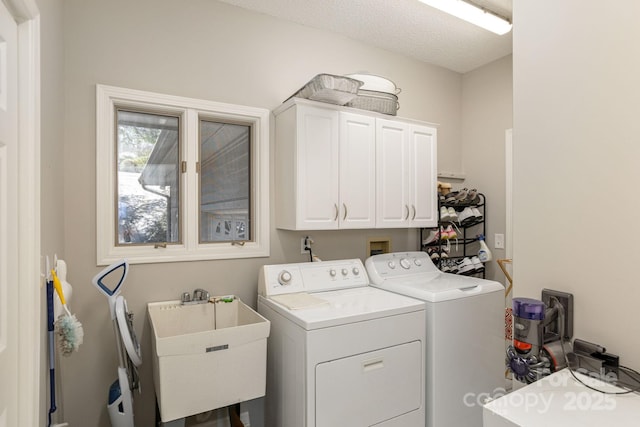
x=340, y=352
x=465, y=334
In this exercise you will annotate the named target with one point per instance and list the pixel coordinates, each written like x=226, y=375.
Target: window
x=224, y=181
x=179, y=179
x=148, y=190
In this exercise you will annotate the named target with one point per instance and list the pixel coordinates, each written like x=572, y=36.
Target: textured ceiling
x=408, y=27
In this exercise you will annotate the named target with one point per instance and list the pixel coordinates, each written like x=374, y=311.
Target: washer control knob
x=404, y=263
x=345, y=272
x=356, y=271
x=284, y=278
x=392, y=265
x=417, y=262
x=332, y=273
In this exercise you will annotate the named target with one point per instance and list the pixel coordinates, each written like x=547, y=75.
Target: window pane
x=224, y=182
x=148, y=178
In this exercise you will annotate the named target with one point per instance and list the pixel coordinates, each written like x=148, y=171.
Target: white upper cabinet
x=306, y=170
x=325, y=169
x=423, y=176
x=330, y=163
x=406, y=175
x=357, y=164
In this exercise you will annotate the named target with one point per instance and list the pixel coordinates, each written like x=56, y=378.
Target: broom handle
x=52, y=375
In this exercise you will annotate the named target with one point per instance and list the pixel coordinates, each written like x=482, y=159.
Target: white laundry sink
x=206, y=356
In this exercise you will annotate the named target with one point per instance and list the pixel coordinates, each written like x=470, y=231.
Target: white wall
x=203, y=49
x=576, y=150
x=487, y=105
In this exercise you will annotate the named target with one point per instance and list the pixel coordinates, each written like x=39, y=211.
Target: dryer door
x=369, y=388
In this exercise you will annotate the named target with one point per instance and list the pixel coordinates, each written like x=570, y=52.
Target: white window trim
x=107, y=97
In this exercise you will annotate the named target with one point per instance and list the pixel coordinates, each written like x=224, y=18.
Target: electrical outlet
x=498, y=241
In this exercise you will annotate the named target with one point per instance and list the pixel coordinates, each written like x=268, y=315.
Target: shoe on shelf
x=477, y=214
x=466, y=267
x=478, y=265
x=452, y=267
x=444, y=267
x=444, y=251
x=453, y=215
x=472, y=197
x=438, y=252
x=444, y=215
x=433, y=237
x=451, y=197
x=466, y=217
x=450, y=232
x=461, y=196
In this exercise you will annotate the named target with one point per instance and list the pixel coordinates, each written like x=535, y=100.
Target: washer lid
x=414, y=274
x=348, y=306
x=443, y=287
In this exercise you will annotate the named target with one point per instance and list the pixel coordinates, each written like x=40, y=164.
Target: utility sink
x=206, y=356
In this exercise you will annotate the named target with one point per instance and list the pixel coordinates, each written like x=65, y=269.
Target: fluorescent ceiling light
x=473, y=14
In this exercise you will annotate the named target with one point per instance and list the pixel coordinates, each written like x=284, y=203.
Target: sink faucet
x=200, y=296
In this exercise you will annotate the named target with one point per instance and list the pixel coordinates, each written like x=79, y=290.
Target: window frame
x=108, y=98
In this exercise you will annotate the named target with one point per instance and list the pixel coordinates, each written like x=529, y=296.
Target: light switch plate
x=498, y=241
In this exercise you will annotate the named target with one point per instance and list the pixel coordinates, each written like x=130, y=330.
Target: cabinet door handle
x=414, y=212
x=335, y=205
x=345, y=212
x=407, y=208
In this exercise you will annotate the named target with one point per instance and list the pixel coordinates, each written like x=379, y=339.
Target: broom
x=68, y=328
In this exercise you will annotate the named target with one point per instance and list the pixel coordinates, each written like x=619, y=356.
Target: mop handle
x=52, y=375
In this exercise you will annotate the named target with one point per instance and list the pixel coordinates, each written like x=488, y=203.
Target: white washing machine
x=465, y=334
x=340, y=352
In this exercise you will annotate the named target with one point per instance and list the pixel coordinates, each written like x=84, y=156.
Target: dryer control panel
x=311, y=277
x=399, y=264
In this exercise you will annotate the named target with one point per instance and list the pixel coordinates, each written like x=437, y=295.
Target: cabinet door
x=317, y=174
x=392, y=143
x=423, y=184
x=357, y=171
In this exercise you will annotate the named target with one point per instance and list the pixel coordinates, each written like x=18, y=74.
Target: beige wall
x=576, y=151
x=487, y=105
x=52, y=163
x=202, y=49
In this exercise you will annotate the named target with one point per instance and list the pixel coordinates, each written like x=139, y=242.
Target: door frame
x=509, y=193
x=26, y=14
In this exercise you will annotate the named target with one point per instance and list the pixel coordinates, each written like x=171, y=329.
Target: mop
x=120, y=403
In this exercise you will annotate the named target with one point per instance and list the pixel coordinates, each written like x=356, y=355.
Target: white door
x=8, y=219
x=357, y=171
x=423, y=182
x=393, y=208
